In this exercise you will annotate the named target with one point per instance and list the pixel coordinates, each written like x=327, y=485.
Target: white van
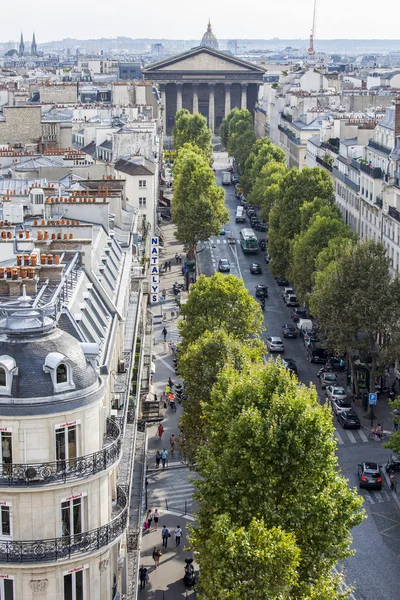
x=304, y=325
x=240, y=215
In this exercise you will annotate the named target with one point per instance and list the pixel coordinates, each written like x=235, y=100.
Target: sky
x=183, y=19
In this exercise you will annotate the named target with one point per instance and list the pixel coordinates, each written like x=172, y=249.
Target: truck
x=240, y=216
x=226, y=178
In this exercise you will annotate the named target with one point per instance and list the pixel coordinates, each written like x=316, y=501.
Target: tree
x=198, y=209
x=309, y=243
x=267, y=185
x=246, y=562
x=270, y=454
x=262, y=153
x=284, y=217
x=357, y=303
x=192, y=129
x=237, y=134
x=200, y=366
x=334, y=250
x=317, y=206
x=220, y=302
x=394, y=440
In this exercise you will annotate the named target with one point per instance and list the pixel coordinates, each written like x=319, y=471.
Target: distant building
x=21, y=49
x=130, y=70
x=33, y=46
x=209, y=40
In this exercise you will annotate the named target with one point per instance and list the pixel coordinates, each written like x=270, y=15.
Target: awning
x=153, y=367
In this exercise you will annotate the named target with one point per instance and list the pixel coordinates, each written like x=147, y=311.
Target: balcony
x=287, y=118
x=393, y=212
x=64, y=548
x=290, y=134
x=374, y=172
x=61, y=471
x=323, y=163
x=331, y=147
x=379, y=201
x=379, y=147
x=354, y=186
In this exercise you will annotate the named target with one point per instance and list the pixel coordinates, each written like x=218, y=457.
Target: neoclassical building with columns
x=204, y=80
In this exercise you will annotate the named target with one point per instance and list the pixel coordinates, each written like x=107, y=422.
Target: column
x=195, y=98
x=163, y=107
x=227, y=99
x=244, y=95
x=211, y=109
x=178, y=97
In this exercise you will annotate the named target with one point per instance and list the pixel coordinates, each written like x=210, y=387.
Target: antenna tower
x=311, y=51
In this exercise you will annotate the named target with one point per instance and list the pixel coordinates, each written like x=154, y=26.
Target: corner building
x=62, y=514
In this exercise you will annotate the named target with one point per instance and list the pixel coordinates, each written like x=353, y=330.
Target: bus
x=248, y=241
x=240, y=216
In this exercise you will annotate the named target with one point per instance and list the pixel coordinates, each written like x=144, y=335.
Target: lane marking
x=339, y=437
x=351, y=437
x=362, y=436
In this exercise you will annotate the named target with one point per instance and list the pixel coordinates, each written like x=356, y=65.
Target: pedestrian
x=164, y=293
x=156, y=516
x=157, y=554
x=160, y=430
x=169, y=265
x=149, y=517
x=143, y=576
x=172, y=442
x=178, y=534
x=170, y=382
x=164, y=332
x=165, y=535
x=155, y=396
x=165, y=266
x=164, y=455
x=158, y=459
x=392, y=478
x=176, y=258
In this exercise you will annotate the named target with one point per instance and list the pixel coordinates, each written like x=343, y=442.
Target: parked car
x=337, y=363
x=256, y=269
x=335, y=392
x=370, y=475
x=299, y=313
x=267, y=258
x=291, y=300
x=260, y=226
x=289, y=331
x=287, y=290
x=222, y=232
x=283, y=282
x=261, y=291
x=310, y=337
x=262, y=242
x=349, y=419
x=327, y=378
x=339, y=405
x=317, y=353
x=275, y=344
x=224, y=265
x=290, y=364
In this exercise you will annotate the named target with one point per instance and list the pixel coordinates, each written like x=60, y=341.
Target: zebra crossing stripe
x=339, y=437
x=362, y=436
x=351, y=437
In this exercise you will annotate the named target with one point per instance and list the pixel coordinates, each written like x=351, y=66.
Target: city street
x=373, y=569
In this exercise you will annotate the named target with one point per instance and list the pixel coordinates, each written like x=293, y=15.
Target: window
x=66, y=442
x=5, y=523
x=5, y=450
x=3, y=378
x=142, y=183
x=142, y=202
x=75, y=584
x=72, y=517
x=62, y=373
x=6, y=587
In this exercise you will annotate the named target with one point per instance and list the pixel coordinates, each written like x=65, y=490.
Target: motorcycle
x=262, y=303
x=393, y=464
x=189, y=578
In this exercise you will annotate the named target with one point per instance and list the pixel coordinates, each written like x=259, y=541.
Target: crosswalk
x=179, y=498
x=355, y=436
x=224, y=241
x=375, y=496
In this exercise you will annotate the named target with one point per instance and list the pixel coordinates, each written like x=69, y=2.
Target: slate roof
x=107, y=145
x=388, y=119
x=30, y=353
x=90, y=149
x=132, y=168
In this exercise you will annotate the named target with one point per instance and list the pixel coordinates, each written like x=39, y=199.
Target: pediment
x=203, y=60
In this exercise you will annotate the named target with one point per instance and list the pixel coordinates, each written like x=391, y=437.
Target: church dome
x=209, y=40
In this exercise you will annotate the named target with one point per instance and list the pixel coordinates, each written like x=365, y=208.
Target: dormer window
x=8, y=369
x=60, y=369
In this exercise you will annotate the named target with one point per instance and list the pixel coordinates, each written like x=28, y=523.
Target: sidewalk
x=166, y=582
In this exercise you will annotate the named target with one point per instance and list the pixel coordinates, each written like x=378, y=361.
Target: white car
x=287, y=290
x=339, y=405
x=336, y=393
x=275, y=344
x=224, y=265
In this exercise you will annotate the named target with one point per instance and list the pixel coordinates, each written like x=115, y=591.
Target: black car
x=289, y=331
x=310, y=336
x=256, y=269
x=282, y=282
x=337, y=363
x=260, y=226
x=349, y=419
x=317, y=353
x=262, y=243
x=370, y=476
x=261, y=291
x=290, y=364
x=299, y=313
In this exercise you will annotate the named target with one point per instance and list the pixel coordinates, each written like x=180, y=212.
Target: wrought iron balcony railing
x=63, y=548
x=60, y=471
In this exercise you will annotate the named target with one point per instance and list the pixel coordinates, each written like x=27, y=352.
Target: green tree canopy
x=284, y=217
x=262, y=153
x=309, y=243
x=335, y=248
x=357, y=302
x=192, y=129
x=220, y=302
x=198, y=208
x=271, y=455
x=237, y=134
x=267, y=186
x=200, y=366
x=317, y=206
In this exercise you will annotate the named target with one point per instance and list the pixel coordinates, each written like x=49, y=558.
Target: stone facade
x=58, y=94
x=21, y=125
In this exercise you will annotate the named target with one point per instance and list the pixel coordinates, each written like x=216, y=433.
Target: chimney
x=397, y=118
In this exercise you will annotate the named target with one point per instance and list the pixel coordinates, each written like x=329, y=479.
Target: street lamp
x=146, y=483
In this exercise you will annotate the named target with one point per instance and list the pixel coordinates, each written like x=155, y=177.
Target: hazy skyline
x=288, y=19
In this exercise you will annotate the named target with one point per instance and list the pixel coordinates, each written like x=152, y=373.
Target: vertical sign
x=154, y=270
